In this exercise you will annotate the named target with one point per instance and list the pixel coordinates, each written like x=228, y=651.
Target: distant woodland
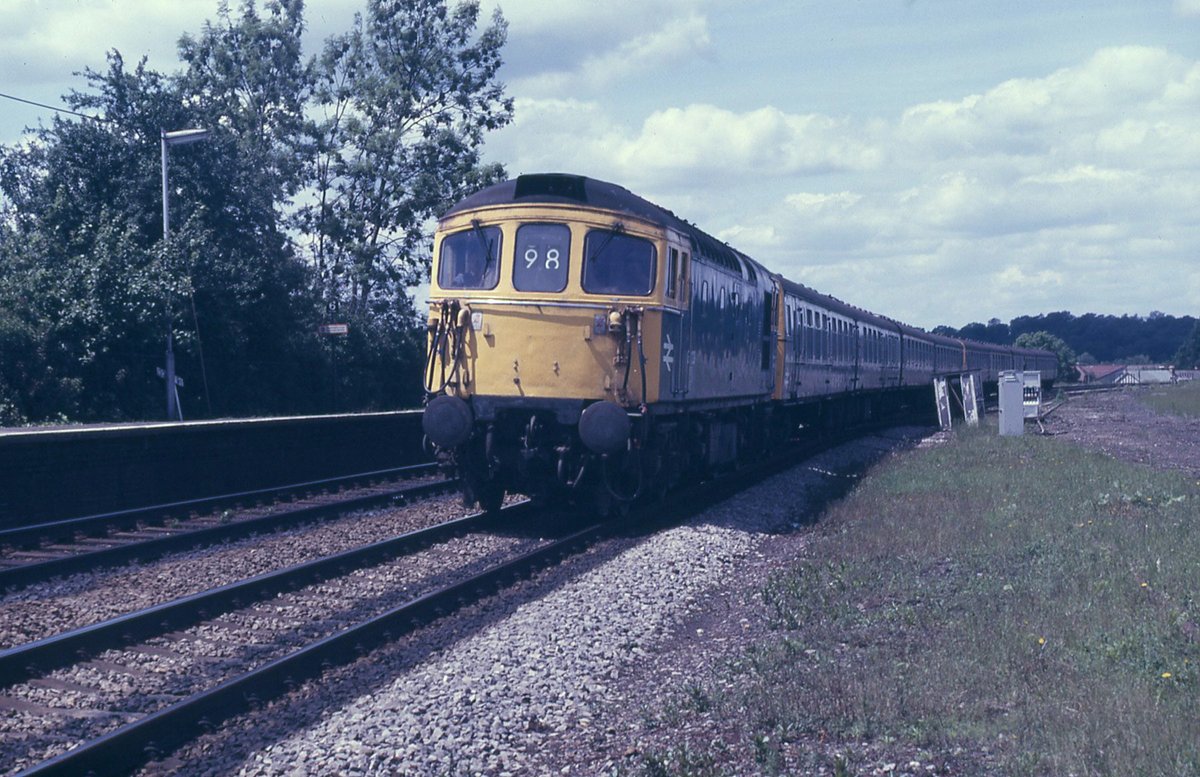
x=1099, y=339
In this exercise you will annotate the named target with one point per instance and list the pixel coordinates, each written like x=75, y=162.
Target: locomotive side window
x=615, y=263
x=672, y=271
x=470, y=259
x=540, y=262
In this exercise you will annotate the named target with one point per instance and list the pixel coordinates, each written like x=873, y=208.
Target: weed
x=1021, y=601
x=1181, y=399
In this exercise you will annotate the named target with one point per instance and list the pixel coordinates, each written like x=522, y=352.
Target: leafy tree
x=1049, y=342
x=247, y=82
x=89, y=289
x=407, y=95
x=83, y=266
x=1153, y=338
x=1188, y=355
x=994, y=331
x=95, y=271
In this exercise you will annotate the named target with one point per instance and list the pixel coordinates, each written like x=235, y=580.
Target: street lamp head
x=180, y=137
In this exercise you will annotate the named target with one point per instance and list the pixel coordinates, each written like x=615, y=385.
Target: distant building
x=1146, y=375
x=1099, y=373
x=1126, y=375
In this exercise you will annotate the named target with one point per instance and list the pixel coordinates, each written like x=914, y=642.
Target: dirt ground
x=1118, y=424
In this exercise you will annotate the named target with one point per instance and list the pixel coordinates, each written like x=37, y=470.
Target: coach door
x=677, y=322
x=769, y=317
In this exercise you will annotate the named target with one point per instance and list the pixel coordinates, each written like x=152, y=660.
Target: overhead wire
x=54, y=108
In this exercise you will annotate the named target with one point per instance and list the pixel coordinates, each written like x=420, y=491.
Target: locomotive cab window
x=470, y=259
x=672, y=271
x=616, y=263
x=540, y=260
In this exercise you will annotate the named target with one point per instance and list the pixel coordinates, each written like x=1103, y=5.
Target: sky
x=937, y=161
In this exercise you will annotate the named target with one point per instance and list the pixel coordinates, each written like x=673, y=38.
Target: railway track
x=33, y=554
x=147, y=681
x=258, y=638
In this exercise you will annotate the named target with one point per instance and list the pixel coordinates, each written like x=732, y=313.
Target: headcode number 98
x=532, y=257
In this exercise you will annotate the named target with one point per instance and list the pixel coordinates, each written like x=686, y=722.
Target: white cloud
x=680, y=145
x=43, y=41
x=616, y=17
x=1030, y=116
x=588, y=46
x=766, y=141
x=673, y=43
x=1187, y=7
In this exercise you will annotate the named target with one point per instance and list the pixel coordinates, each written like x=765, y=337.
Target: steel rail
x=14, y=578
x=67, y=528
x=126, y=748
x=33, y=658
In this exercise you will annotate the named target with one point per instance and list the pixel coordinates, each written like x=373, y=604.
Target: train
x=585, y=343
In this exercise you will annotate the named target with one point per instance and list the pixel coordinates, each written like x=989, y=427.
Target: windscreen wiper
x=484, y=242
x=617, y=229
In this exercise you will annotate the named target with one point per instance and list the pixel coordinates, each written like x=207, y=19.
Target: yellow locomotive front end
x=545, y=316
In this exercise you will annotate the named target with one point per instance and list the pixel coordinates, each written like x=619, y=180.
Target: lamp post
x=176, y=138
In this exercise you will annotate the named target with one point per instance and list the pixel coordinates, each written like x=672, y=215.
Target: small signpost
x=334, y=330
x=969, y=398
x=177, y=408
x=972, y=397
x=941, y=391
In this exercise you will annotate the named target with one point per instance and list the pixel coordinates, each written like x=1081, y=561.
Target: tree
x=407, y=96
x=1188, y=355
x=1048, y=342
x=85, y=274
x=89, y=289
x=247, y=81
x=102, y=287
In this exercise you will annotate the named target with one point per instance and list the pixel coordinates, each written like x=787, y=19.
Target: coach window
x=470, y=259
x=540, y=261
x=616, y=263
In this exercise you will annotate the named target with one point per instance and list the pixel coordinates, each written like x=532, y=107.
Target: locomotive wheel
x=605, y=505
x=489, y=494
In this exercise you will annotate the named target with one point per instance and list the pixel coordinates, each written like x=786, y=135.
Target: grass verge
x=1016, y=605
x=1181, y=399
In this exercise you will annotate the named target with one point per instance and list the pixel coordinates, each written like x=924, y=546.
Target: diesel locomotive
x=584, y=342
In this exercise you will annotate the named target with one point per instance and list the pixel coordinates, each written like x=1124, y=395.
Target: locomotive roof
x=567, y=189
x=564, y=189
